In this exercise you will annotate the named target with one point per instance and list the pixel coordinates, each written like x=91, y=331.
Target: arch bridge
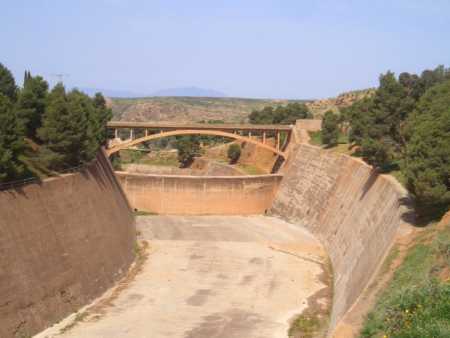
x=254, y=134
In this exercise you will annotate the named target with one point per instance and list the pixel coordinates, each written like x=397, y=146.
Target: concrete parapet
x=351, y=208
x=200, y=195
x=63, y=242
x=308, y=124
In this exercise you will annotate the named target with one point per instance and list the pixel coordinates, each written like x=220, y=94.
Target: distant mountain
x=110, y=92
x=189, y=91
x=181, y=91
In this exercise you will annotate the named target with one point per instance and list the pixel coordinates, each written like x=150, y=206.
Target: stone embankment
x=63, y=242
x=352, y=209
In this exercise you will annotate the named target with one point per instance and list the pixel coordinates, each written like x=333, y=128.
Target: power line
x=60, y=76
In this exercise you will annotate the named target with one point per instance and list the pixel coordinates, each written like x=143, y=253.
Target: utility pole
x=60, y=76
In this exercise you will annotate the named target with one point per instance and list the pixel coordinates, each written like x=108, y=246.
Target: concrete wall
x=309, y=124
x=354, y=212
x=62, y=243
x=189, y=195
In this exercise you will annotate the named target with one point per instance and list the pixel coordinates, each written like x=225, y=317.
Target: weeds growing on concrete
x=144, y=213
x=79, y=317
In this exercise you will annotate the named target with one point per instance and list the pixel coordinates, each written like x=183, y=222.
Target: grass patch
x=250, y=169
x=304, y=326
x=161, y=161
x=393, y=254
x=416, y=302
x=130, y=156
x=316, y=137
x=144, y=213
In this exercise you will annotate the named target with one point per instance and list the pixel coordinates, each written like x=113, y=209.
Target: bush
x=234, y=152
x=188, y=148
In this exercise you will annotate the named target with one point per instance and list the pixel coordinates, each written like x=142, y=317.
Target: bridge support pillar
x=131, y=133
x=278, y=140
x=146, y=132
x=264, y=137
x=116, y=133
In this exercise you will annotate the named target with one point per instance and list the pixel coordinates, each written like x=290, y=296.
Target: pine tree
x=11, y=142
x=103, y=115
x=7, y=84
x=32, y=102
x=427, y=161
x=65, y=130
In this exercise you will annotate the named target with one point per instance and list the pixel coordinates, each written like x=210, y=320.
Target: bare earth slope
x=222, y=277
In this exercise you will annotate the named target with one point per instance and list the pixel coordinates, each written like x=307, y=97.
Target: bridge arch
x=131, y=143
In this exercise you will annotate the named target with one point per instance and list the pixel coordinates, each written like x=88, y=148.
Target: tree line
x=287, y=114
x=50, y=129
x=404, y=126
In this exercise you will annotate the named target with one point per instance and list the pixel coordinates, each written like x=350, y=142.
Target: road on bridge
x=208, y=277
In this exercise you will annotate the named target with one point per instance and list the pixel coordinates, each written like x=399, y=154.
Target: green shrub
x=234, y=152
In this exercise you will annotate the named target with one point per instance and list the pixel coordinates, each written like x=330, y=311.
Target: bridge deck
x=198, y=126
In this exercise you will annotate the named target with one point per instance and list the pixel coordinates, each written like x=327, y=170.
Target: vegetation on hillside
x=43, y=131
x=416, y=302
x=405, y=126
x=330, y=129
x=280, y=115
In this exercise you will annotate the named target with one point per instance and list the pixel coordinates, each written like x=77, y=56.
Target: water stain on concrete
x=247, y=279
x=256, y=260
x=135, y=297
x=195, y=256
x=273, y=285
x=199, y=298
x=229, y=324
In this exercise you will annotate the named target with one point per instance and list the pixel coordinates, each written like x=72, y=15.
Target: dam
x=224, y=257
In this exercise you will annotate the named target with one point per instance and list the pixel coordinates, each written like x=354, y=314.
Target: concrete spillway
x=348, y=207
x=211, y=276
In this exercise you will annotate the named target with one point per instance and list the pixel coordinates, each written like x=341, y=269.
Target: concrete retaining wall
x=309, y=124
x=204, y=195
x=62, y=243
x=354, y=212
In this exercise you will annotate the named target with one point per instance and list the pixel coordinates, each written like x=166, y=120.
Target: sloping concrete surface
x=211, y=277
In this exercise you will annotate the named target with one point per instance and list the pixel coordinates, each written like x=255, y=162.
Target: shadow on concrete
x=370, y=182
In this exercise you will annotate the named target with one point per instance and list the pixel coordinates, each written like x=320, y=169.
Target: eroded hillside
x=232, y=110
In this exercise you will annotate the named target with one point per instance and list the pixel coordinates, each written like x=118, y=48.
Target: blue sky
x=246, y=48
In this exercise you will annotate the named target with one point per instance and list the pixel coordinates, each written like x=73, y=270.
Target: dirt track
x=210, y=277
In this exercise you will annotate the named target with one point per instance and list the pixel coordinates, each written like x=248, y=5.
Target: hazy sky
x=247, y=48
